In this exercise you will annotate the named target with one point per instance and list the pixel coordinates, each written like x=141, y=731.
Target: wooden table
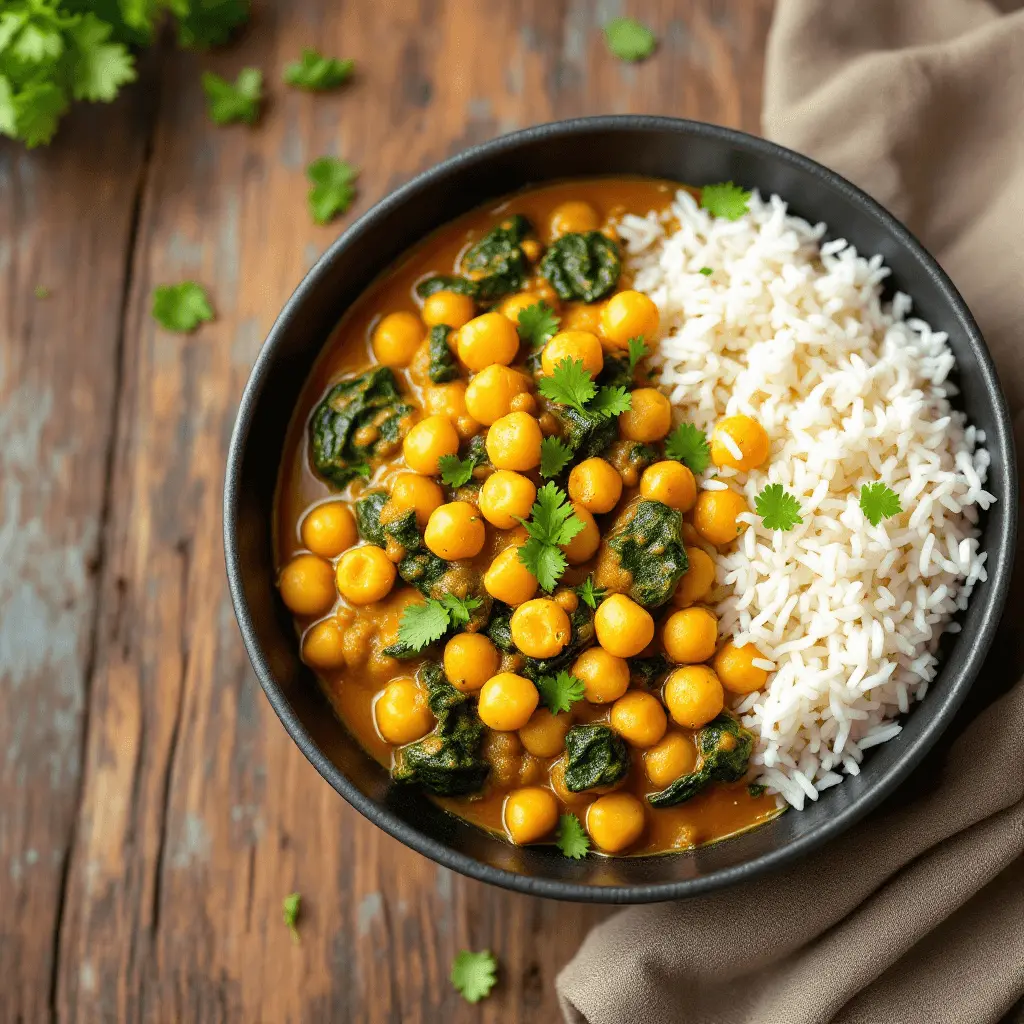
x=153, y=811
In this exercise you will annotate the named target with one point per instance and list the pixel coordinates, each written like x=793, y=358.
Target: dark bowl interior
x=661, y=147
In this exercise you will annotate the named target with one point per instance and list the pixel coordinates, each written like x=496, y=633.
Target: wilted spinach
x=582, y=266
x=496, y=264
x=446, y=283
x=646, y=672
x=595, y=756
x=443, y=366
x=586, y=434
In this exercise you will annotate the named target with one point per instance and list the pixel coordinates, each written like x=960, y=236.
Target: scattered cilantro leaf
x=629, y=39
x=459, y=608
x=316, y=72
x=778, y=509
x=689, y=445
x=181, y=307
x=878, y=502
x=553, y=456
x=333, y=188
x=474, y=974
x=706, y=271
x=725, y=200
x=101, y=67
x=423, y=623
x=552, y=523
x=570, y=384
x=203, y=23
x=537, y=324
x=590, y=595
x=41, y=291
x=756, y=789
x=456, y=472
x=609, y=402
x=571, y=837
x=227, y=103
x=291, y=907
x=560, y=692
x=637, y=350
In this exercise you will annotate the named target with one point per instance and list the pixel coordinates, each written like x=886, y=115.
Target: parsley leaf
x=552, y=523
x=333, y=188
x=637, y=350
x=706, y=271
x=629, y=39
x=181, y=307
x=726, y=200
x=316, y=72
x=570, y=384
x=459, y=608
x=423, y=623
x=456, y=472
x=778, y=509
x=537, y=324
x=609, y=402
x=292, y=905
x=553, y=456
x=560, y=692
x=227, y=103
x=474, y=974
x=690, y=446
x=590, y=595
x=878, y=502
x=571, y=837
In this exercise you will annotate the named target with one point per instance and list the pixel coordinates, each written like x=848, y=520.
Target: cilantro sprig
x=181, y=307
x=552, y=523
x=290, y=911
x=778, y=509
x=571, y=837
x=878, y=502
x=560, y=692
x=238, y=101
x=316, y=73
x=725, y=200
x=571, y=384
x=554, y=454
x=689, y=444
x=636, y=350
x=333, y=188
x=474, y=974
x=590, y=595
x=456, y=472
x=537, y=324
x=629, y=39
x=423, y=623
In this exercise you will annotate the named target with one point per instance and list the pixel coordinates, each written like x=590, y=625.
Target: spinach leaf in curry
x=496, y=264
x=446, y=283
x=443, y=367
x=595, y=756
x=582, y=266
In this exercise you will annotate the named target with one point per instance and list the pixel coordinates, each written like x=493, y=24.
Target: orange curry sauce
x=719, y=811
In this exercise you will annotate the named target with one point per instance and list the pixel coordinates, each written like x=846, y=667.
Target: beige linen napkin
x=916, y=914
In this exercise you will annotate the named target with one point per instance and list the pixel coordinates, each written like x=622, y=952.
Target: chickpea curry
x=499, y=562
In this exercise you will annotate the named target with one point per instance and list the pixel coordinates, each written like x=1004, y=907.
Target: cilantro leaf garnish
x=571, y=837
x=590, y=595
x=689, y=445
x=629, y=39
x=456, y=472
x=560, y=692
x=778, y=509
x=101, y=67
x=292, y=905
x=878, y=502
x=570, y=384
x=459, y=608
x=181, y=307
x=474, y=974
x=725, y=200
x=552, y=523
x=537, y=324
x=637, y=350
x=240, y=101
x=706, y=271
x=316, y=72
x=333, y=188
x=425, y=622
x=609, y=402
x=554, y=454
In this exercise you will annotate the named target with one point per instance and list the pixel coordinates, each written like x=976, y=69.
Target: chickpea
x=556, y=776
x=532, y=249
x=581, y=346
x=396, y=338
x=329, y=529
x=419, y=368
x=736, y=669
x=307, y=585
x=669, y=758
x=671, y=483
x=747, y=435
x=605, y=677
x=586, y=542
x=693, y=696
x=567, y=599
x=596, y=485
x=544, y=734
x=401, y=712
x=449, y=308
x=491, y=392
x=615, y=821
x=506, y=497
x=470, y=659
x=650, y=417
x=488, y=339
x=582, y=316
x=698, y=579
x=629, y=314
x=365, y=574
x=507, y=701
x=508, y=580
x=418, y=493
x=513, y=305
x=455, y=531
x=356, y=642
x=690, y=635
x=523, y=403
x=715, y=515
x=573, y=217
x=427, y=442
x=530, y=814
x=623, y=628
x=513, y=442
x=540, y=628
x=323, y=645
x=447, y=400
x=639, y=718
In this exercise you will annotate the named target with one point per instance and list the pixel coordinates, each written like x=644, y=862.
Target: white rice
x=851, y=391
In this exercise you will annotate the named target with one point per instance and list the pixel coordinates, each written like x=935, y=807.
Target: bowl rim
x=1000, y=547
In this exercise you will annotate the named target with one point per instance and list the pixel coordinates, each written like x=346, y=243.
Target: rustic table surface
x=153, y=811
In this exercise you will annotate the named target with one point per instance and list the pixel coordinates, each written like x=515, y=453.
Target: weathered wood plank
x=198, y=813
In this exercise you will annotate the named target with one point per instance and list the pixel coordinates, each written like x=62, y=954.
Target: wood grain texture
x=196, y=812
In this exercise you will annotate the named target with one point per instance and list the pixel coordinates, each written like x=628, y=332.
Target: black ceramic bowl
x=661, y=147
